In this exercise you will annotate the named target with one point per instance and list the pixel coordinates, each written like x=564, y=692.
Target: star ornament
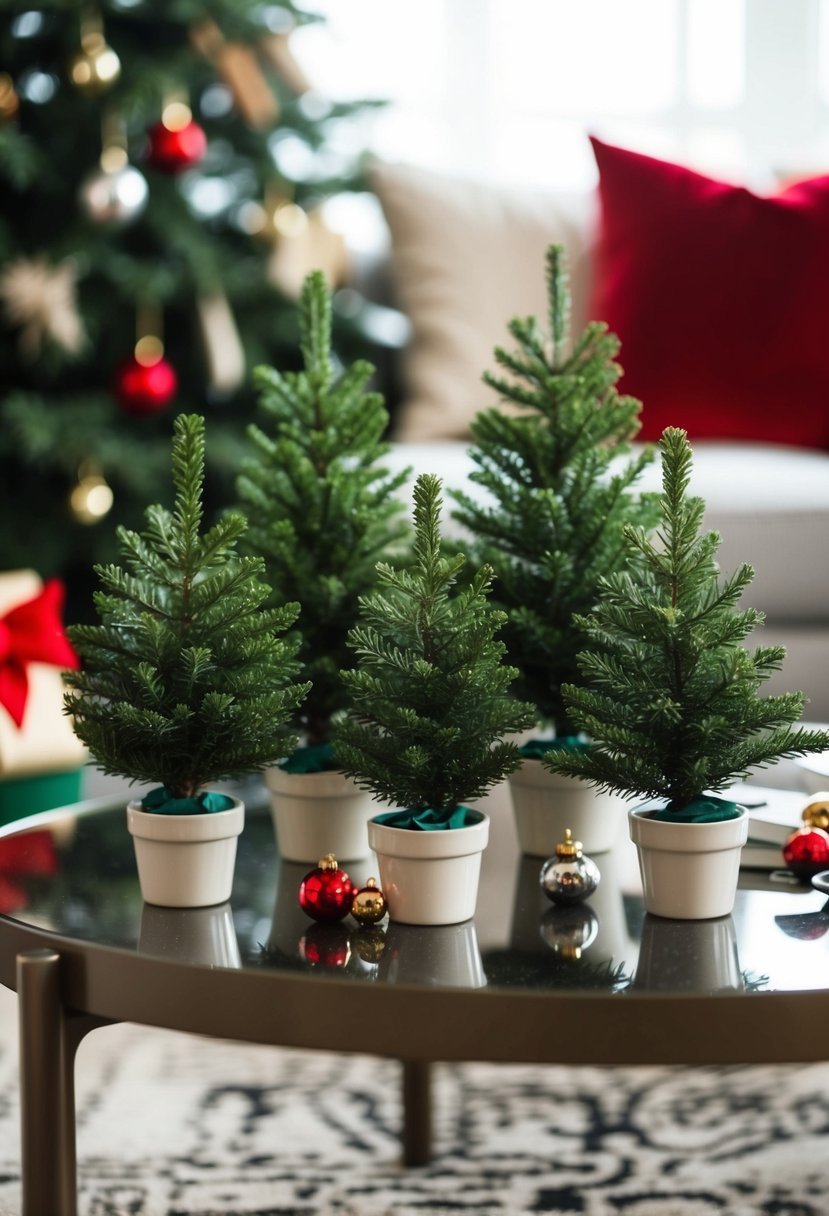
x=41, y=300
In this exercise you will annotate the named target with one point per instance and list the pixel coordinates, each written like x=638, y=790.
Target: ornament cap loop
x=568, y=847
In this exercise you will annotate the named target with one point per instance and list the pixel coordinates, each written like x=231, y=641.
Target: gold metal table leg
x=47, y=1097
x=417, y=1112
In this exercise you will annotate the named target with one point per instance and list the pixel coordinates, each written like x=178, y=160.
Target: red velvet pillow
x=720, y=299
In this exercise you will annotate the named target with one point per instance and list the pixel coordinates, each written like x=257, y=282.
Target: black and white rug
x=171, y=1125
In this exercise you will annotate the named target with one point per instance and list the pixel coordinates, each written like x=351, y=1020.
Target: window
x=505, y=90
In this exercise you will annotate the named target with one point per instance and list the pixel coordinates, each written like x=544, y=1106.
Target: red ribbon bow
x=32, y=633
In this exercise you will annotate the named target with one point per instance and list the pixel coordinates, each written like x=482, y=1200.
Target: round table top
x=68, y=879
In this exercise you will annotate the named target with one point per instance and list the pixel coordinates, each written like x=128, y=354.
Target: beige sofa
x=464, y=259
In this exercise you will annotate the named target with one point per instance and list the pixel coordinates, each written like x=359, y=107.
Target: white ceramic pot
x=319, y=813
x=185, y=861
x=430, y=878
x=546, y=803
x=689, y=870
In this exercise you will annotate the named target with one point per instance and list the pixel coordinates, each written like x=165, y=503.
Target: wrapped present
x=40, y=755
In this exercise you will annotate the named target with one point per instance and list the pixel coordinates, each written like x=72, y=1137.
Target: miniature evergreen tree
x=558, y=498
x=669, y=693
x=430, y=693
x=322, y=509
x=185, y=679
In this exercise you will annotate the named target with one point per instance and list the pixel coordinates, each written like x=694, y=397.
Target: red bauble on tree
x=146, y=383
x=177, y=142
x=326, y=892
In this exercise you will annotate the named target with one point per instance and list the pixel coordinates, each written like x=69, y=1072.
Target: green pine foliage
x=322, y=509
x=196, y=238
x=557, y=495
x=430, y=693
x=669, y=694
x=186, y=679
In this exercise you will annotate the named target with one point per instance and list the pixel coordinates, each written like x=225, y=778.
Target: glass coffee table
x=598, y=983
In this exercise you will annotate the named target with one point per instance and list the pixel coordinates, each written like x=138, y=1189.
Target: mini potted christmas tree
x=669, y=697
x=322, y=512
x=558, y=477
x=185, y=681
x=431, y=706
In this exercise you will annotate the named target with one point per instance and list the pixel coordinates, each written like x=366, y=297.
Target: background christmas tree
x=195, y=233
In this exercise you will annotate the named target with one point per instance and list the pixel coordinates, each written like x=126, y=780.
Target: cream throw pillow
x=466, y=258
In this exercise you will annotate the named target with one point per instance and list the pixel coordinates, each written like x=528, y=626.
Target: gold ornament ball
x=816, y=813
x=96, y=67
x=91, y=499
x=9, y=101
x=369, y=904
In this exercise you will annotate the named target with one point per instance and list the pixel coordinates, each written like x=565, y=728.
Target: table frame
x=67, y=988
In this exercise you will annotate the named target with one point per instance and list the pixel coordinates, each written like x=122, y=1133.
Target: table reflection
x=204, y=936
x=688, y=956
x=434, y=956
x=76, y=877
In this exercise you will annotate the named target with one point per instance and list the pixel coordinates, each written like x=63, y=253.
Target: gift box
x=40, y=756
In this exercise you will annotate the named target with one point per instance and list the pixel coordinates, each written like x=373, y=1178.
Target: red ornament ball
x=145, y=388
x=172, y=149
x=326, y=892
x=806, y=852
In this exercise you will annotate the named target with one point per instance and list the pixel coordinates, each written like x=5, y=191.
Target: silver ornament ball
x=569, y=876
x=116, y=197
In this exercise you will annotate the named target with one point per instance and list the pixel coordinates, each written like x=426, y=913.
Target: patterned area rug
x=171, y=1125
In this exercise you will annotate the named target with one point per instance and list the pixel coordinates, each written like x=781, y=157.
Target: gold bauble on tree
x=96, y=67
x=9, y=101
x=90, y=500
